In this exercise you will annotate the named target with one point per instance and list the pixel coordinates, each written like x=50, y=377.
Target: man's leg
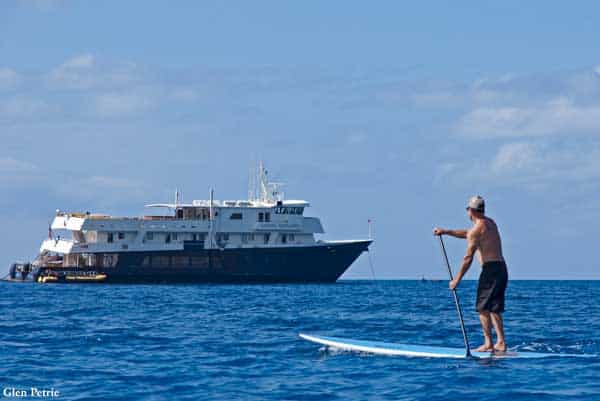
x=484, y=318
x=499, y=327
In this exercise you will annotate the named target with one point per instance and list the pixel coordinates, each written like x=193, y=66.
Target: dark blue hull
x=321, y=263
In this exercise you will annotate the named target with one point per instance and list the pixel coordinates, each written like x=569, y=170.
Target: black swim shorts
x=492, y=285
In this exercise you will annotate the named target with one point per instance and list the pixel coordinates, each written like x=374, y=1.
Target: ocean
x=240, y=342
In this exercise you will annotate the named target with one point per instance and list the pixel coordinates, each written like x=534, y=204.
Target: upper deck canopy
x=237, y=204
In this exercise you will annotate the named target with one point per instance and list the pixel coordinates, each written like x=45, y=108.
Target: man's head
x=476, y=207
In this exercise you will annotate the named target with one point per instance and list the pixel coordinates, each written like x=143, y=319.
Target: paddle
x=458, y=308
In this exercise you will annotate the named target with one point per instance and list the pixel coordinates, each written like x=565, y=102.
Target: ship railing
x=159, y=218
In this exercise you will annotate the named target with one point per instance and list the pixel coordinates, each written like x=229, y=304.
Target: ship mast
x=264, y=183
x=210, y=220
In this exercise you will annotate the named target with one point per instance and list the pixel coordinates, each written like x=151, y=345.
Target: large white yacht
x=263, y=239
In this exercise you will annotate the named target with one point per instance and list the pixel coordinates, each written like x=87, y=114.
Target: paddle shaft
x=456, y=301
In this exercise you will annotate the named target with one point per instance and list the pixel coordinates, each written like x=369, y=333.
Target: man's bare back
x=487, y=239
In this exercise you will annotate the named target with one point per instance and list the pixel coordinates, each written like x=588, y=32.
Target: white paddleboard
x=383, y=348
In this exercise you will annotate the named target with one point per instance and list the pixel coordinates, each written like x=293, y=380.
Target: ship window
x=90, y=260
x=179, y=261
x=168, y=239
x=198, y=237
x=267, y=237
x=174, y=236
x=201, y=213
x=146, y=261
x=200, y=261
x=283, y=238
x=110, y=260
x=291, y=237
x=149, y=235
x=261, y=217
x=180, y=213
x=160, y=261
x=267, y=217
x=236, y=216
x=110, y=238
x=121, y=235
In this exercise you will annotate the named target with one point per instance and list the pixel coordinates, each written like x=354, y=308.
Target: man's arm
x=472, y=243
x=454, y=233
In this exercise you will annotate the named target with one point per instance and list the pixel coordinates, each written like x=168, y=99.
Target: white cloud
x=17, y=173
x=544, y=127
x=357, y=138
x=503, y=94
x=103, y=182
x=10, y=165
x=533, y=164
x=514, y=156
x=83, y=72
x=439, y=98
x=74, y=73
x=83, y=61
x=9, y=79
x=101, y=188
x=109, y=187
x=542, y=105
x=23, y=107
x=122, y=104
x=187, y=95
x=560, y=116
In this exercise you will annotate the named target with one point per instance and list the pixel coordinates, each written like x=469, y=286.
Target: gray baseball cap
x=476, y=203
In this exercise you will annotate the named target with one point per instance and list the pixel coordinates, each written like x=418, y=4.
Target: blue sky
x=391, y=111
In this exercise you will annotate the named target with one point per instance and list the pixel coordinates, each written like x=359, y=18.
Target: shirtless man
x=483, y=238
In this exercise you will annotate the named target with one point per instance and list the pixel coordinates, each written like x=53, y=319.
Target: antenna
x=250, y=190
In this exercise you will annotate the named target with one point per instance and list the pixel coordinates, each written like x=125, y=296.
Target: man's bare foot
x=485, y=348
x=500, y=347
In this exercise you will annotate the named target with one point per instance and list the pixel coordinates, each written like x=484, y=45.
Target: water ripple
x=193, y=342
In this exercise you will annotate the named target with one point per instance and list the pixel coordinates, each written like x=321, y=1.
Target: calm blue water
x=240, y=342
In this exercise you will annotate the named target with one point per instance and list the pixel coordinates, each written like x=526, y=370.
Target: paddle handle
x=456, y=301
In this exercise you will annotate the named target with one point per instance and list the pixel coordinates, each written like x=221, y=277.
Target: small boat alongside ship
x=265, y=239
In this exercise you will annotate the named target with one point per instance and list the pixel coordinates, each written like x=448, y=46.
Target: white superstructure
x=266, y=219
